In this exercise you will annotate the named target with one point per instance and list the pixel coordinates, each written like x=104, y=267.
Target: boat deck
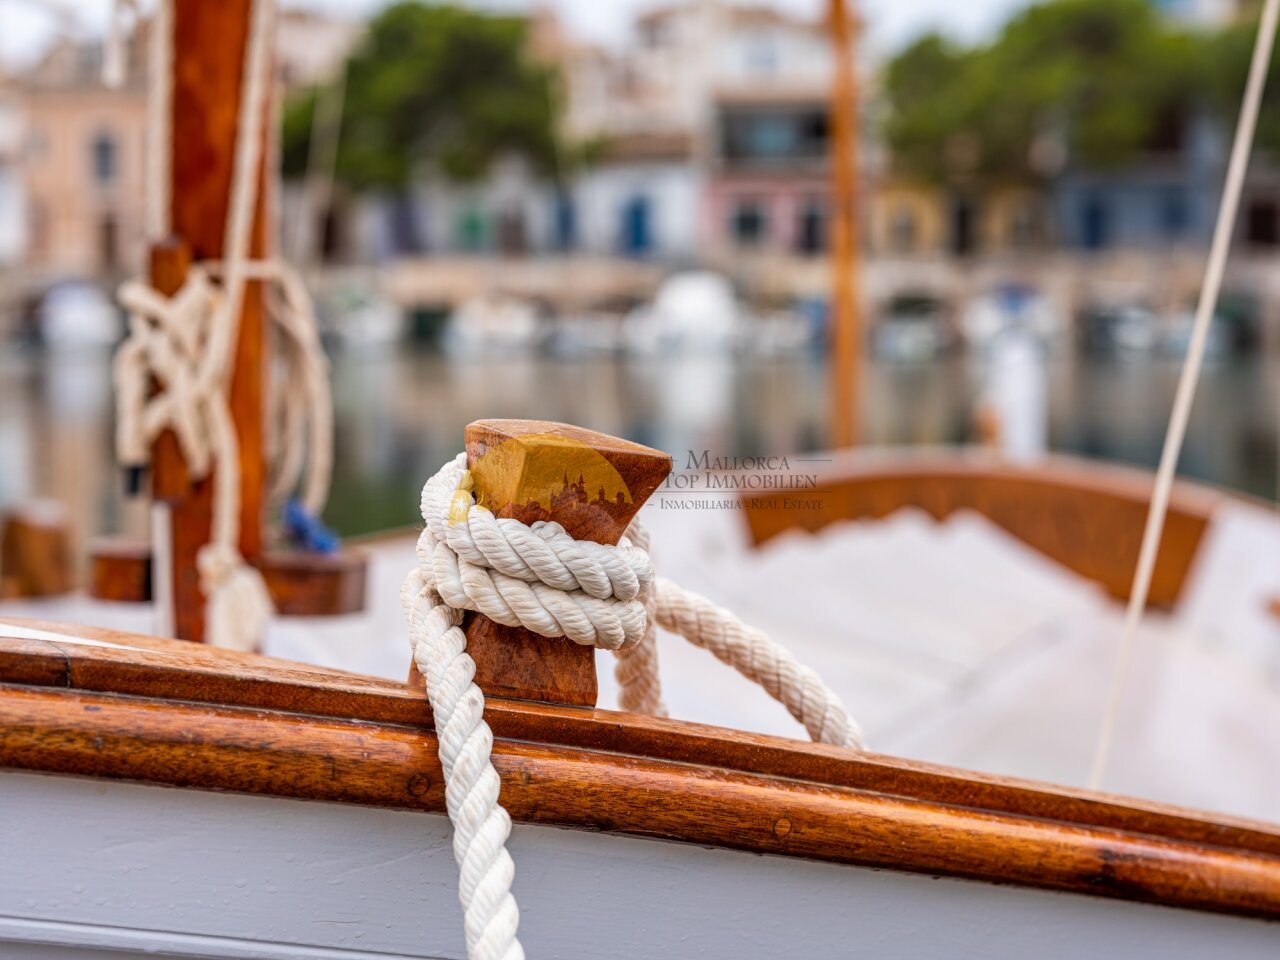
x=950, y=642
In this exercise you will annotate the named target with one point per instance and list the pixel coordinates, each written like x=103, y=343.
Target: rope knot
x=537, y=577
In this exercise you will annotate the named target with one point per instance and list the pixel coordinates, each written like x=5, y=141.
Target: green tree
x=440, y=87
x=1106, y=77
x=927, y=93
x=1227, y=68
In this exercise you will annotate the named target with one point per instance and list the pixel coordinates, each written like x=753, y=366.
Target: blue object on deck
x=307, y=532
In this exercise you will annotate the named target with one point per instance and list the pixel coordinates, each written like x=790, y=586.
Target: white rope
x=158, y=160
x=184, y=345
x=167, y=336
x=542, y=579
x=1209, y=291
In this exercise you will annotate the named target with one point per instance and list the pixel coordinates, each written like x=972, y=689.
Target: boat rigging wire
x=1187, y=380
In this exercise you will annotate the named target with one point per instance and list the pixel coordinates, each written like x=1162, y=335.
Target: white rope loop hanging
x=542, y=579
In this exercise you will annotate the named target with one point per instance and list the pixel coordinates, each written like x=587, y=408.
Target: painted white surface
x=673, y=191
x=1235, y=577
x=120, y=867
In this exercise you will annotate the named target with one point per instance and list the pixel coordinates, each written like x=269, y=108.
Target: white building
x=643, y=199
x=1201, y=13
x=12, y=216
x=681, y=58
x=655, y=105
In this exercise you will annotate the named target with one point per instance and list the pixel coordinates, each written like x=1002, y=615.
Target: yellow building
x=906, y=219
x=914, y=219
x=82, y=165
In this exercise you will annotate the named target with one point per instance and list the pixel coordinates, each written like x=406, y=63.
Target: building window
x=108, y=243
x=748, y=223
x=512, y=236
x=1096, y=223
x=637, y=226
x=811, y=231
x=470, y=230
x=964, y=227
x=104, y=158
x=654, y=32
x=1173, y=212
x=769, y=135
x=1024, y=226
x=1262, y=224
x=38, y=229
x=902, y=230
x=761, y=55
x=566, y=224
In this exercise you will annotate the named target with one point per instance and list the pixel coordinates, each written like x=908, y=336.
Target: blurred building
x=12, y=218
x=1168, y=198
x=72, y=183
x=312, y=47
x=770, y=186
x=717, y=115
x=82, y=161
x=1203, y=13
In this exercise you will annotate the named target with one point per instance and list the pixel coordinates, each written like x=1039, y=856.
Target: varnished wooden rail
x=170, y=713
x=1087, y=516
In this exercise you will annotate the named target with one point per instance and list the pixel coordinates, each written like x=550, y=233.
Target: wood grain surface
x=35, y=551
x=591, y=484
x=1087, y=516
x=163, y=712
x=205, y=103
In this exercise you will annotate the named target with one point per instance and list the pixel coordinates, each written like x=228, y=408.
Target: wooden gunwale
x=1086, y=515
x=170, y=713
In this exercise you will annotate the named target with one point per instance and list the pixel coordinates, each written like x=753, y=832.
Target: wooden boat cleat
x=35, y=553
x=301, y=584
x=593, y=485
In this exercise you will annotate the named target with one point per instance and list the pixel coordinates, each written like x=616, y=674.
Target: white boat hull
x=99, y=869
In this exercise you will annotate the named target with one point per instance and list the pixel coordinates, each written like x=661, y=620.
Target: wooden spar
x=208, y=66
x=591, y=484
x=846, y=328
x=208, y=57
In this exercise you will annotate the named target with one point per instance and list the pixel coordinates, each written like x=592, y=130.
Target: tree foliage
x=1228, y=55
x=1097, y=79
x=438, y=87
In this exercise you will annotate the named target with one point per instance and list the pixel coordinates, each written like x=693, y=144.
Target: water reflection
x=400, y=413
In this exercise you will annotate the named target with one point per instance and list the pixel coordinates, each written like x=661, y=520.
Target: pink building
x=769, y=189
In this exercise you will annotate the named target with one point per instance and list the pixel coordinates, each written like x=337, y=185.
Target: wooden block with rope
x=590, y=483
x=211, y=71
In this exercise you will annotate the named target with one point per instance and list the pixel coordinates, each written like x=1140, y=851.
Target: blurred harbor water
x=400, y=412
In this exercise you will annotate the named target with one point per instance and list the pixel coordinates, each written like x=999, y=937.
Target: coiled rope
x=540, y=578
x=173, y=370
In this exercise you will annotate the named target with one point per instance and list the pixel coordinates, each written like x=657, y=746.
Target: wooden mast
x=208, y=70
x=846, y=327
x=208, y=67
